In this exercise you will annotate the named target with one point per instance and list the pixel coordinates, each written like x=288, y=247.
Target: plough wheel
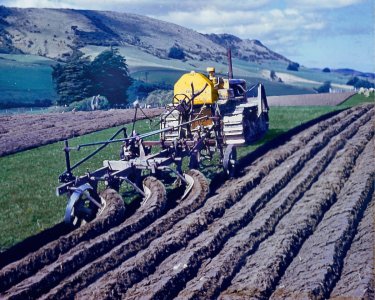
x=83, y=206
x=189, y=185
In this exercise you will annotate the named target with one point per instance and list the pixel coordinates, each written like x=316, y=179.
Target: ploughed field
x=296, y=223
x=21, y=132
x=330, y=99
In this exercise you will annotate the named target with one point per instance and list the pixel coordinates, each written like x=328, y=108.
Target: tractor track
x=287, y=227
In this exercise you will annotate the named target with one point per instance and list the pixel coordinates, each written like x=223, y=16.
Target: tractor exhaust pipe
x=230, y=71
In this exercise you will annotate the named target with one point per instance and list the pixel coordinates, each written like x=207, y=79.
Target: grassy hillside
x=25, y=79
x=55, y=33
x=144, y=66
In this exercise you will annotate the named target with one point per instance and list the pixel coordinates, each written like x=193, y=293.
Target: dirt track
x=290, y=226
x=21, y=132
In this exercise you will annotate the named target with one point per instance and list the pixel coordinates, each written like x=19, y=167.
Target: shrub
x=141, y=90
x=293, y=66
x=273, y=75
x=159, y=97
x=326, y=70
x=87, y=104
x=176, y=53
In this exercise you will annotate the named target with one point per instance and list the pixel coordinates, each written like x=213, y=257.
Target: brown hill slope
x=54, y=33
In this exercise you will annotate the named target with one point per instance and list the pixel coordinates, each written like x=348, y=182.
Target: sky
x=314, y=33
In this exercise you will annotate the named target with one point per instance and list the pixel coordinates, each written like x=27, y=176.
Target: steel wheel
x=83, y=206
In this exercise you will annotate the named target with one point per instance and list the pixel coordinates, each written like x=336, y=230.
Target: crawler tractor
x=208, y=114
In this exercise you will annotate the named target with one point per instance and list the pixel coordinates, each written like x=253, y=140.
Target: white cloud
x=271, y=26
x=315, y=26
x=208, y=17
x=321, y=4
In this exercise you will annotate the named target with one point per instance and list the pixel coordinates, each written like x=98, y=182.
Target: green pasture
x=25, y=78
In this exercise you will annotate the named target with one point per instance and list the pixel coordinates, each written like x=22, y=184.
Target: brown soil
x=310, y=99
x=290, y=226
x=358, y=273
x=21, y=132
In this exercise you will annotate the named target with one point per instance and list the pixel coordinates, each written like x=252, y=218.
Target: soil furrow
x=49, y=276
x=263, y=269
x=173, y=273
x=219, y=270
x=92, y=272
x=136, y=269
x=295, y=136
x=358, y=273
x=313, y=274
x=21, y=132
x=29, y=265
x=33, y=243
x=289, y=219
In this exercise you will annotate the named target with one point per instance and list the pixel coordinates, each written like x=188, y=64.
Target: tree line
x=80, y=78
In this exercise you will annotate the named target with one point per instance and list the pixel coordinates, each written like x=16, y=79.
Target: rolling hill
x=54, y=33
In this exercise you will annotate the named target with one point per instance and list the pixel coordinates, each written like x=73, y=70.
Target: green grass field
x=358, y=99
x=25, y=78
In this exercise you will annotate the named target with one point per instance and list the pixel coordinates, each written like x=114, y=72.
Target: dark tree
x=176, y=53
x=110, y=76
x=326, y=70
x=358, y=83
x=324, y=88
x=353, y=81
x=293, y=66
x=72, y=80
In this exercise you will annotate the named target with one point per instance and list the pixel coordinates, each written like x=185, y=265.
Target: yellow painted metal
x=206, y=111
x=199, y=81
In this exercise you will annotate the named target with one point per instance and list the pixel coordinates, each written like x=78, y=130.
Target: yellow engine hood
x=199, y=81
